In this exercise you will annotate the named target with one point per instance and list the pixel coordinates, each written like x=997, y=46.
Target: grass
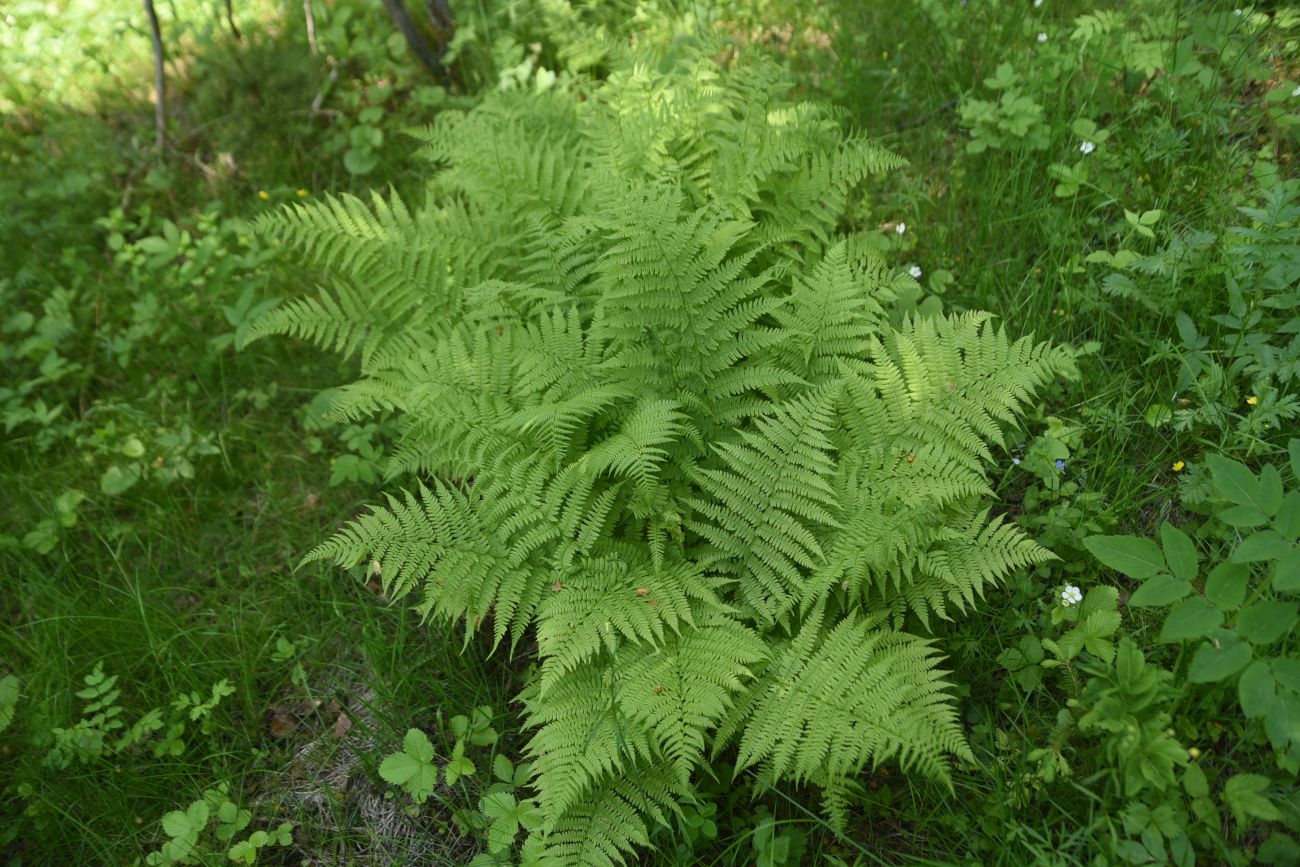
x=175, y=587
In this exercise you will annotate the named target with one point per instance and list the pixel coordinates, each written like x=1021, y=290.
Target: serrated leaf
x=186, y=825
x=399, y=768
x=1179, y=551
x=1131, y=555
x=1266, y=622
x=416, y=744
x=1191, y=618
x=1244, y=795
x=1159, y=590
x=459, y=766
x=503, y=769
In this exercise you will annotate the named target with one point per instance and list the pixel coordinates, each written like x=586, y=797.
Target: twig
x=324, y=88
x=230, y=18
x=311, y=27
x=159, y=80
x=402, y=18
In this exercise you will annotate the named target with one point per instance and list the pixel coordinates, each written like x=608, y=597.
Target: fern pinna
x=659, y=425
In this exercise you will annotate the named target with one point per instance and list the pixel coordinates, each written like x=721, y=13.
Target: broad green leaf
x=1283, y=720
x=399, y=768
x=1235, y=482
x=1264, y=545
x=1286, y=671
x=1217, y=659
x=1266, y=622
x=1278, y=849
x=1159, y=590
x=1255, y=689
x=1243, y=517
x=117, y=480
x=186, y=825
x=1133, y=556
x=1270, y=489
x=503, y=822
x=1227, y=584
x=1287, y=521
x=1244, y=795
x=459, y=766
x=1180, y=553
x=1191, y=618
x=243, y=852
x=1286, y=575
x=1194, y=781
x=503, y=769
x=416, y=743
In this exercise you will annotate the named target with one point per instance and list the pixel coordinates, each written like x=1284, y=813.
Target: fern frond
x=761, y=512
x=833, y=701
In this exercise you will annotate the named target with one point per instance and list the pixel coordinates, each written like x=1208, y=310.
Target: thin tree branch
x=230, y=18
x=159, y=79
x=402, y=18
x=311, y=27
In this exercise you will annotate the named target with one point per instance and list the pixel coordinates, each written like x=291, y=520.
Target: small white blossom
x=901, y=228
x=1087, y=147
x=1038, y=3
x=915, y=271
x=1236, y=11
x=1042, y=37
x=1071, y=595
x=1296, y=92
x=1016, y=461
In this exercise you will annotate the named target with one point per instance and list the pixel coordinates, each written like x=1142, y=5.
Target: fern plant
x=657, y=426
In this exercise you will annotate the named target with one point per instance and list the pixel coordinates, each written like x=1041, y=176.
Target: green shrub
x=658, y=413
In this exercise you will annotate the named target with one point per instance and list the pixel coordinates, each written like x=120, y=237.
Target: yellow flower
x=1178, y=466
x=1252, y=400
x=302, y=194
x=263, y=194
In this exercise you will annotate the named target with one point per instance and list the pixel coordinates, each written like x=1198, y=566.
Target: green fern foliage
x=659, y=430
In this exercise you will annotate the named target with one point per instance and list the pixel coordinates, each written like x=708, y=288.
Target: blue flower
x=1060, y=464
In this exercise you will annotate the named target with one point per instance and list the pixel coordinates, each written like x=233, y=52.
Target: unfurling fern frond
x=661, y=425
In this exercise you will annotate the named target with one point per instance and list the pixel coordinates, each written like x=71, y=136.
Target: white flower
x=1071, y=595
x=901, y=228
x=1038, y=3
x=1042, y=37
x=915, y=271
x=1016, y=461
x=1087, y=147
x=1296, y=92
x=1236, y=11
